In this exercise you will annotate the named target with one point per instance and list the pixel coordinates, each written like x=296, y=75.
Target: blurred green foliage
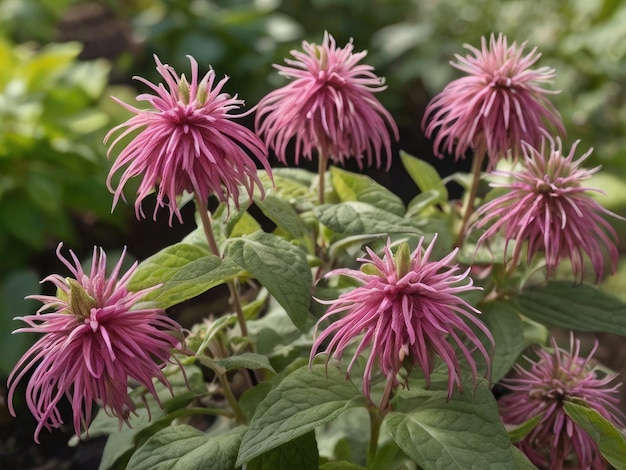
x=52, y=161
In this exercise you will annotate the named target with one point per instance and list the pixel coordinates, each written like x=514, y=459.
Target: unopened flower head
x=557, y=442
x=498, y=104
x=407, y=311
x=92, y=344
x=329, y=107
x=188, y=142
x=547, y=206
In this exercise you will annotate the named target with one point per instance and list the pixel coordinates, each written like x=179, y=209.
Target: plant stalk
x=205, y=217
x=468, y=210
x=322, y=165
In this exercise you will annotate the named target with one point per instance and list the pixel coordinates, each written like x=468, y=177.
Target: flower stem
x=322, y=165
x=468, y=210
x=205, y=217
x=376, y=420
x=228, y=394
x=377, y=414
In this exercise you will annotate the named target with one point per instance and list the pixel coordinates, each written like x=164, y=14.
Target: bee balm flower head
x=188, y=142
x=498, y=104
x=92, y=343
x=406, y=309
x=555, y=377
x=329, y=106
x=547, y=206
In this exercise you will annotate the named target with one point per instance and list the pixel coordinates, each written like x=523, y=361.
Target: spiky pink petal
x=497, y=105
x=187, y=142
x=329, y=107
x=93, y=343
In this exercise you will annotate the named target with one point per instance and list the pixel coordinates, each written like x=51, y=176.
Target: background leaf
x=302, y=401
x=580, y=308
x=355, y=187
x=300, y=453
x=185, y=270
x=609, y=439
x=185, y=448
x=424, y=175
x=358, y=218
x=281, y=268
x=506, y=326
x=464, y=432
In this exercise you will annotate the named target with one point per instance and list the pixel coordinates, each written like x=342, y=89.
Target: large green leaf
x=464, y=432
x=507, y=329
x=357, y=218
x=576, y=307
x=302, y=401
x=609, y=439
x=300, y=453
x=424, y=175
x=283, y=215
x=280, y=267
x=186, y=448
x=355, y=187
x=185, y=270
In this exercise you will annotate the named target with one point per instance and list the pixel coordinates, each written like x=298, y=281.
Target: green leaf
x=292, y=185
x=507, y=329
x=422, y=201
x=358, y=218
x=609, y=439
x=280, y=267
x=519, y=432
x=355, y=187
x=186, y=448
x=283, y=215
x=521, y=461
x=185, y=270
x=302, y=401
x=300, y=453
x=424, y=175
x=245, y=361
x=581, y=308
x=464, y=432
x=342, y=465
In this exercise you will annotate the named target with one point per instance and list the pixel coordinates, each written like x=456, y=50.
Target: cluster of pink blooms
x=407, y=310
x=541, y=390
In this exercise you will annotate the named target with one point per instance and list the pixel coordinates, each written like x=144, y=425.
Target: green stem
x=322, y=164
x=228, y=394
x=377, y=415
x=468, y=210
x=205, y=217
x=376, y=420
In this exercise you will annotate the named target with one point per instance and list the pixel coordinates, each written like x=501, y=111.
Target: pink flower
x=329, y=106
x=188, y=142
x=93, y=343
x=547, y=206
x=557, y=377
x=498, y=104
x=407, y=309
